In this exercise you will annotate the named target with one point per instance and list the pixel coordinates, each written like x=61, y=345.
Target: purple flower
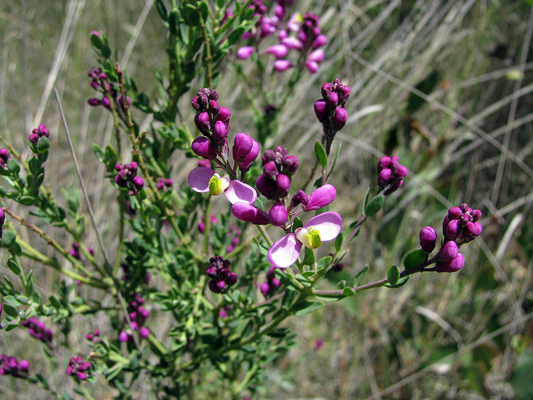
x=250, y=213
x=321, y=197
x=278, y=51
x=203, y=180
x=244, y=52
x=202, y=147
x=282, y=65
x=247, y=162
x=278, y=214
x=323, y=227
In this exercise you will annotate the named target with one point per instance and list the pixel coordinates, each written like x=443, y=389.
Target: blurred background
x=446, y=85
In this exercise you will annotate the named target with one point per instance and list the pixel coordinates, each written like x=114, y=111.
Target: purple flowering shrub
x=227, y=254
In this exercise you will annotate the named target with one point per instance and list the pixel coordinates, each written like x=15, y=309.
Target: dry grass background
x=475, y=147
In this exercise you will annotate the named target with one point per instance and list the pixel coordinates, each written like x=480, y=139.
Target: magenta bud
x=278, y=214
x=321, y=197
x=266, y=186
x=278, y=51
x=202, y=122
x=383, y=163
x=265, y=287
x=246, y=164
x=345, y=94
x=340, y=118
x=220, y=132
x=270, y=169
x=283, y=184
x=394, y=163
x=292, y=43
x=449, y=251
x=123, y=336
x=316, y=56
x=476, y=215
x=242, y=146
x=428, y=239
x=34, y=138
x=249, y=213
x=321, y=110
x=214, y=107
x=454, y=212
x=384, y=176
x=24, y=365
x=94, y=102
x=320, y=41
x=82, y=376
x=282, y=65
x=472, y=230
x=452, y=229
x=133, y=167
x=244, y=52
x=195, y=103
x=105, y=102
x=231, y=278
x=464, y=207
x=333, y=100
x=144, y=332
x=312, y=66
x=290, y=165
x=453, y=266
x=138, y=182
x=402, y=172
x=202, y=147
x=224, y=115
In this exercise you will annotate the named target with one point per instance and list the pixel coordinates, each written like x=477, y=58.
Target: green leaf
x=309, y=258
x=393, y=275
x=96, y=41
x=8, y=238
x=99, y=153
x=26, y=200
x=106, y=51
x=235, y=36
x=398, y=284
x=162, y=10
x=204, y=10
x=14, y=266
x=13, y=167
x=12, y=301
x=360, y=275
x=306, y=307
x=297, y=224
x=191, y=16
x=173, y=22
x=367, y=196
x=11, y=311
x=348, y=292
x=414, y=258
x=321, y=155
x=374, y=205
x=338, y=242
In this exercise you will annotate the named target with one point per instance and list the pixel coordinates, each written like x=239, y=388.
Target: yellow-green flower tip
x=218, y=185
x=309, y=237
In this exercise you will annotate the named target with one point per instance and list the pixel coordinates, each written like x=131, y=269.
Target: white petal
x=329, y=224
x=239, y=192
x=199, y=179
x=285, y=251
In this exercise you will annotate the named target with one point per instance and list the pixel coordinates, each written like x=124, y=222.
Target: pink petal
x=239, y=192
x=249, y=213
x=321, y=197
x=329, y=224
x=199, y=179
x=285, y=251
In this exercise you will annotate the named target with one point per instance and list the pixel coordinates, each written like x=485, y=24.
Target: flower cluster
x=79, y=368
x=94, y=337
x=138, y=316
x=38, y=330
x=127, y=178
x=271, y=285
x=164, y=183
x=221, y=276
x=11, y=366
x=101, y=84
x=391, y=174
x=460, y=226
x=38, y=133
x=4, y=157
x=306, y=41
x=213, y=122
x=330, y=110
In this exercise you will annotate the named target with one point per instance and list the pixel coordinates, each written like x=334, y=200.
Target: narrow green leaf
x=321, y=155
x=367, y=196
x=162, y=10
x=235, y=36
x=8, y=238
x=360, y=275
x=191, y=16
x=307, y=307
x=96, y=41
x=309, y=258
x=14, y=266
x=338, y=242
x=203, y=8
x=173, y=22
x=26, y=200
x=374, y=205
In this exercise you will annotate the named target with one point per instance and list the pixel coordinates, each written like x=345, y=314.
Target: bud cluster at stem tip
x=391, y=174
x=221, y=276
x=127, y=178
x=12, y=366
x=38, y=133
x=330, y=110
x=79, y=368
x=4, y=157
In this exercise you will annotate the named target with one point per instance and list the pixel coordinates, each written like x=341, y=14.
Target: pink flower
x=278, y=51
x=203, y=180
x=321, y=197
x=244, y=52
x=282, y=65
x=323, y=227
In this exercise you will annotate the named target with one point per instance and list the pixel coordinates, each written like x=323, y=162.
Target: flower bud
x=402, y=172
x=202, y=122
x=268, y=156
x=144, y=332
x=265, y=287
x=270, y=169
x=476, y=215
x=316, y=56
x=326, y=90
x=312, y=66
x=290, y=165
x=278, y=214
x=321, y=197
x=299, y=198
x=471, y=231
x=278, y=51
x=220, y=132
x=449, y=251
x=195, y=103
x=224, y=115
x=249, y=213
x=138, y=182
x=242, y=146
x=283, y=184
x=333, y=100
x=452, y=229
x=453, y=266
x=319, y=41
x=282, y=65
x=94, y=102
x=244, y=52
x=246, y=164
x=340, y=118
x=454, y=213
x=384, y=176
x=428, y=239
x=321, y=110
x=266, y=186
x=383, y=163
